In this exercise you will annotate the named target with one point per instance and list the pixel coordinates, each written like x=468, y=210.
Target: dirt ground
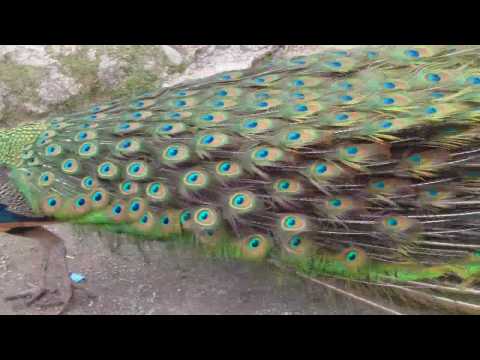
x=165, y=281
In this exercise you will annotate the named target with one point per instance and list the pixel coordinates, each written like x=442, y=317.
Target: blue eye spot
x=167, y=127
x=86, y=148
x=192, y=178
x=208, y=139
x=262, y=154
x=299, y=96
x=155, y=188
x=251, y=124
x=301, y=108
x=259, y=80
x=181, y=93
x=127, y=186
x=284, y=185
x=135, y=207
x=389, y=101
x=144, y=219
x=433, y=192
x=290, y=221
x=389, y=85
x=341, y=117
x=45, y=178
x=437, y=95
x=51, y=149
x=352, y=150
x=346, y=98
x=137, y=115
x=346, y=86
x=225, y=167
x=180, y=103
x=117, y=209
x=433, y=77
x=203, y=215
x=262, y=104
x=336, y=202
x=412, y=53
x=219, y=104
x=474, y=80
x=92, y=117
x=175, y=115
x=387, y=124
x=254, y=243
x=372, y=55
x=207, y=117
x=262, y=95
x=97, y=196
x=416, y=158
x=125, y=126
x=335, y=64
x=140, y=104
x=298, y=61
x=165, y=220
x=105, y=168
x=173, y=151
x=96, y=109
x=239, y=200
x=392, y=222
x=81, y=202
x=321, y=168
x=83, y=135
x=294, y=136
x=126, y=144
x=222, y=93
x=135, y=168
x=226, y=77
x=185, y=217
x=379, y=185
x=69, y=164
x=299, y=83
x=295, y=241
x=52, y=202
x=431, y=110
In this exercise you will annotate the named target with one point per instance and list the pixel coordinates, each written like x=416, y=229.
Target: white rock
x=173, y=55
x=92, y=54
x=110, y=71
x=57, y=87
x=33, y=55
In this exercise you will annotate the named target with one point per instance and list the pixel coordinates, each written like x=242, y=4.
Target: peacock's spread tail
x=362, y=165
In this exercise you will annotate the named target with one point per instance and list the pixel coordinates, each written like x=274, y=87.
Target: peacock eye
x=165, y=220
x=352, y=256
x=392, y=222
x=336, y=202
x=295, y=241
x=321, y=168
x=254, y=243
x=239, y=200
x=203, y=215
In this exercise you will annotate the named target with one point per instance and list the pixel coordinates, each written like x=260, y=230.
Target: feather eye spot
x=182, y=93
x=222, y=93
x=290, y=222
x=203, y=215
x=252, y=124
x=392, y=222
x=437, y=95
x=431, y=110
x=186, y=216
x=341, y=117
x=98, y=196
x=172, y=151
x=226, y=77
x=135, y=206
x=259, y=80
x=167, y=127
x=263, y=104
x=207, y=117
x=351, y=256
x=81, y=202
x=433, y=192
x=117, y=209
x=388, y=101
x=415, y=158
x=299, y=83
x=254, y=243
x=387, y=124
x=165, y=220
x=301, y=108
x=433, y=77
x=295, y=242
x=412, y=53
x=239, y=200
x=284, y=184
x=180, y=103
x=389, y=85
x=346, y=98
x=336, y=202
x=321, y=168
x=207, y=139
x=294, y=135
x=379, y=185
x=261, y=154
x=226, y=166
x=192, y=178
x=352, y=150
x=372, y=55
x=52, y=202
x=299, y=96
x=335, y=64
x=175, y=115
x=474, y=80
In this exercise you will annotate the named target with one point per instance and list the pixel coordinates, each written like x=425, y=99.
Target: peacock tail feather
x=361, y=165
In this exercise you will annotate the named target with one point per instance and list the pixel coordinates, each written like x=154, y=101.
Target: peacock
x=361, y=166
